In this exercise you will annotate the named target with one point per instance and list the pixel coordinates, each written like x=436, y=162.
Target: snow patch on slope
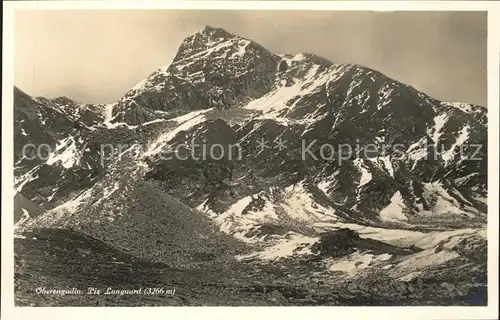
x=291, y=245
x=238, y=224
x=19, y=182
x=439, y=122
x=66, y=152
x=443, y=202
x=276, y=101
x=294, y=207
x=394, y=211
x=461, y=139
x=366, y=176
x=357, y=261
x=417, y=151
x=107, y=192
x=300, y=206
x=184, y=122
x=25, y=217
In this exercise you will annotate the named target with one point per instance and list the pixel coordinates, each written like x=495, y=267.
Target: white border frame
x=489, y=312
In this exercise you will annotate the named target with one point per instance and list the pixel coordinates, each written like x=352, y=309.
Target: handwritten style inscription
x=106, y=291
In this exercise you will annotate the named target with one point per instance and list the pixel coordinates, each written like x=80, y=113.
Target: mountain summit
x=202, y=40
x=211, y=66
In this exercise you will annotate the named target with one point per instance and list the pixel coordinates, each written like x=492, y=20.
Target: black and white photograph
x=178, y=157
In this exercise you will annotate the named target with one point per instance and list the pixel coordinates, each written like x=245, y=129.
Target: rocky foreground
x=65, y=260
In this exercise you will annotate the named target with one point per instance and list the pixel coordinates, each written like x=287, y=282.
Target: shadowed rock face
x=150, y=192
x=41, y=121
x=339, y=243
x=36, y=123
x=345, y=241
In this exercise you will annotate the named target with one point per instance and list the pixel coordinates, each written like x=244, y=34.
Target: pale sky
x=96, y=56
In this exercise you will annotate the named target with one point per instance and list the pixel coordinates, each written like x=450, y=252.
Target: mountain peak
x=202, y=40
x=208, y=28
x=209, y=35
x=213, y=31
